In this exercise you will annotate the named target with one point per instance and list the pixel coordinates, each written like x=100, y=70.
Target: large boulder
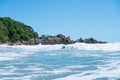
x=61, y=36
x=32, y=42
x=90, y=40
x=58, y=39
x=50, y=40
x=80, y=40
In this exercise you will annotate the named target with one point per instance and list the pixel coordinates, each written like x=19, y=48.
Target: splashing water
x=60, y=62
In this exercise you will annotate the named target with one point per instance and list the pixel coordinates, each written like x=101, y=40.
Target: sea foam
x=60, y=62
x=79, y=46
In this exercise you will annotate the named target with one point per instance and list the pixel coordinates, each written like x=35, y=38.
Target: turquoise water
x=26, y=63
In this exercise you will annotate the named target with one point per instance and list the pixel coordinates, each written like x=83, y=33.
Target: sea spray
x=79, y=46
x=60, y=62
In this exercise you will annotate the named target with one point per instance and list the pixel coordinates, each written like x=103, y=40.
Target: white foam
x=66, y=69
x=12, y=70
x=14, y=55
x=26, y=77
x=34, y=47
x=25, y=50
x=111, y=70
x=102, y=47
x=79, y=46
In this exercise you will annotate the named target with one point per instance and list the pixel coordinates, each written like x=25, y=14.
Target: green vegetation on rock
x=13, y=31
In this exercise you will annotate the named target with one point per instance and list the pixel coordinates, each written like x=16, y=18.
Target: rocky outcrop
x=32, y=42
x=89, y=40
x=58, y=39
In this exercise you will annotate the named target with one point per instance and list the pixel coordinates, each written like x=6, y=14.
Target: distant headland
x=15, y=32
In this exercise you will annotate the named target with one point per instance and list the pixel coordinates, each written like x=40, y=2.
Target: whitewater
x=77, y=61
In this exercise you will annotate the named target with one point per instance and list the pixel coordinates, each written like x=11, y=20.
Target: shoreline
x=14, y=32
x=76, y=46
x=52, y=40
x=14, y=44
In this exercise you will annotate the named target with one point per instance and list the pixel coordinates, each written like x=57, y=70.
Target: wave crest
x=79, y=46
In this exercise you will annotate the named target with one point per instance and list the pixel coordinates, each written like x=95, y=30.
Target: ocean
x=77, y=61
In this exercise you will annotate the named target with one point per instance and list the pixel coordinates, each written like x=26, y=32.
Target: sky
x=99, y=19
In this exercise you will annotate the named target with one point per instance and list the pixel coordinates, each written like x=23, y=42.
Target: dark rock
x=59, y=39
x=63, y=47
x=31, y=42
x=37, y=41
x=51, y=40
x=81, y=40
x=90, y=40
x=70, y=42
x=61, y=36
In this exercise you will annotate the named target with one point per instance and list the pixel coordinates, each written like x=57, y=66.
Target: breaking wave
x=79, y=46
x=60, y=62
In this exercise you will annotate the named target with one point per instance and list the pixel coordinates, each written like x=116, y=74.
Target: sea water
x=60, y=62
